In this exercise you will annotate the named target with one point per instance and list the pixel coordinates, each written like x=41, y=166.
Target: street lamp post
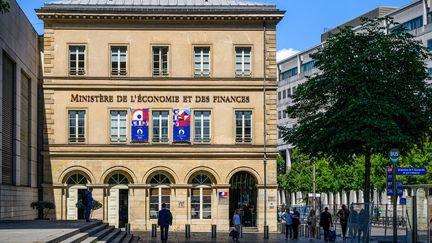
x=314, y=184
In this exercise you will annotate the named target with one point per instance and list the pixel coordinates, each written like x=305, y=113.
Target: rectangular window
x=202, y=126
x=279, y=114
x=285, y=114
x=160, y=61
x=243, y=61
x=279, y=95
x=289, y=73
x=77, y=126
x=429, y=44
x=8, y=120
x=76, y=60
x=202, y=61
x=294, y=90
x=201, y=203
x=413, y=24
x=243, y=126
x=289, y=93
x=26, y=115
x=157, y=197
x=284, y=94
x=118, y=126
x=430, y=72
x=309, y=66
x=160, y=126
x=118, y=60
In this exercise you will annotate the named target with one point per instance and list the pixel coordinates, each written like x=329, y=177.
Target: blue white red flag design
x=140, y=123
x=181, y=124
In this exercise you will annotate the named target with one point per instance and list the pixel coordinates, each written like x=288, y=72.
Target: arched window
x=118, y=179
x=160, y=193
x=201, y=197
x=76, y=179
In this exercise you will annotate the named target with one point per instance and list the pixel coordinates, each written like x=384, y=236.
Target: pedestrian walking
x=287, y=217
x=326, y=222
x=343, y=215
x=88, y=203
x=311, y=222
x=164, y=221
x=296, y=223
x=237, y=224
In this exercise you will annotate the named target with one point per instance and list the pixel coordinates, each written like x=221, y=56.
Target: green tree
x=369, y=96
x=4, y=6
x=281, y=166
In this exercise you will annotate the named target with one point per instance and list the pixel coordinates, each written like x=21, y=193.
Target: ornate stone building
x=153, y=102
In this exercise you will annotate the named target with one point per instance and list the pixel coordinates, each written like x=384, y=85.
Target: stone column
x=271, y=208
x=137, y=219
x=98, y=194
x=222, y=208
x=179, y=204
x=293, y=198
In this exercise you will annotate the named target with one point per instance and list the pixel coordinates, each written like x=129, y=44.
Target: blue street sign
x=398, y=184
x=390, y=192
x=411, y=171
x=394, y=155
x=402, y=201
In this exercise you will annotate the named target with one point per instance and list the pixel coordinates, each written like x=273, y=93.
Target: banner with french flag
x=140, y=124
x=181, y=124
x=223, y=194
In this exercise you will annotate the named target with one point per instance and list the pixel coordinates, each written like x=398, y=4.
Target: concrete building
x=19, y=69
x=153, y=102
x=414, y=17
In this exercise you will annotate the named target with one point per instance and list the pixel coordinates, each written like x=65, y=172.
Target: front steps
x=97, y=232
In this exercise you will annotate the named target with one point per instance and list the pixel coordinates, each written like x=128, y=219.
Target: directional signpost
x=394, y=157
x=411, y=171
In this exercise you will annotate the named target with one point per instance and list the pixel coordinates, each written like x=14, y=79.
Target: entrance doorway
x=75, y=192
x=118, y=200
x=243, y=196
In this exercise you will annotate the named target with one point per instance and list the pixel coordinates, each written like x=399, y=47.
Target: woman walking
x=236, y=223
x=311, y=221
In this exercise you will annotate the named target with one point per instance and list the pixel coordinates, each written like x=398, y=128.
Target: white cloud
x=285, y=53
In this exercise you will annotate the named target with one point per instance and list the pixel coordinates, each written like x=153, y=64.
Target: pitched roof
x=206, y=5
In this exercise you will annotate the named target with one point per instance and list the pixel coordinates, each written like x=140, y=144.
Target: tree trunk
x=367, y=178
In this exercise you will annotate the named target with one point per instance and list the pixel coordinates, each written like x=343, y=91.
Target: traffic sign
x=402, y=201
x=411, y=171
x=394, y=155
x=390, y=192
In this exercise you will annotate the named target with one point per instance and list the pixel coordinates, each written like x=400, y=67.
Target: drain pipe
x=266, y=228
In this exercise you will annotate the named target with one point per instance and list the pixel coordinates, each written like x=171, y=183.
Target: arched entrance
x=76, y=186
x=118, y=200
x=243, y=195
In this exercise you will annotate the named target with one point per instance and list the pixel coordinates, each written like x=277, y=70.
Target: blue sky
x=302, y=25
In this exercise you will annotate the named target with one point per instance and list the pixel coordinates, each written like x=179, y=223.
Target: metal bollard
x=266, y=232
x=187, y=231
x=127, y=228
x=213, y=234
x=154, y=230
x=241, y=231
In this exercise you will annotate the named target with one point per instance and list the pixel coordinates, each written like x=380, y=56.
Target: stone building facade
x=152, y=103
x=19, y=75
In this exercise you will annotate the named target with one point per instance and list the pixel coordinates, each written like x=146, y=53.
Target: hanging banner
x=140, y=123
x=181, y=122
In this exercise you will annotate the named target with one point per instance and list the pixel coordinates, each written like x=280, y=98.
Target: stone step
x=119, y=237
x=250, y=229
x=99, y=235
x=62, y=236
x=110, y=236
x=135, y=239
x=127, y=239
x=84, y=235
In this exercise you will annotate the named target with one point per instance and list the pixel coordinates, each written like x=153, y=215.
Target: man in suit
x=164, y=221
x=88, y=203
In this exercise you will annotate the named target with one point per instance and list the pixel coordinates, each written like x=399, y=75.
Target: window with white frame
x=202, y=61
x=77, y=126
x=76, y=60
x=159, y=193
x=243, y=126
x=118, y=126
x=243, y=61
x=160, y=61
x=202, y=126
x=160, y=126
x=201, y=195
x=118, y=60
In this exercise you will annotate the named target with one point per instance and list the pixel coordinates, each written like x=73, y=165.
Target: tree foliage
x=4, y=6
x=369, y=96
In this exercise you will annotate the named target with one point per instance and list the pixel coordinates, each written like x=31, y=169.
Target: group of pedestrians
x=292, y=222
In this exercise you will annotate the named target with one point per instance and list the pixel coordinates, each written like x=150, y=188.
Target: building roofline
x=299, y=54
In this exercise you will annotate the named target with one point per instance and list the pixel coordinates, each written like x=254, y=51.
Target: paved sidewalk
x=179, y=237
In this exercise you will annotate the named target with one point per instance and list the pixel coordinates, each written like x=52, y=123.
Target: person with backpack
x=164, y=221
x=296, y=223
x=343, y=216
x=287, y=217
x=326, y=222
x=88, y=203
